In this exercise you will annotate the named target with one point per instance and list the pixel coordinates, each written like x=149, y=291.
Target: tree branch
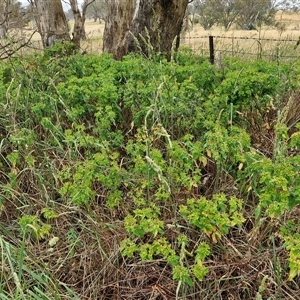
x=7, y=50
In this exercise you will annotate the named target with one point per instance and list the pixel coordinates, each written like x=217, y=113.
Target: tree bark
x=4, y=19
x=120, y=14
x=51, y=22
x=79, y=20
x=158, y=30
x=3, y=31
x=149, y=26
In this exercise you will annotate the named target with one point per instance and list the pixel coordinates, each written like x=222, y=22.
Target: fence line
x=218, y=47
x=239, y=38
x=215, y=47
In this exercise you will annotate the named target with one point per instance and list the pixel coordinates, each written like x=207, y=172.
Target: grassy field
x=290, y=22
x=195, y=38
x=290, y=26
x=272, y=42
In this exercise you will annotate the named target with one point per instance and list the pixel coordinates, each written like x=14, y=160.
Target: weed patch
x=146, y=178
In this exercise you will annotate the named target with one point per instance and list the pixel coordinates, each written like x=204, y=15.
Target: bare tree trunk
x=146, y=25
x=3, y=31
x=79, y=20
x=51, y=22
x=120, y=14
x=4, y=19
x=156, y=24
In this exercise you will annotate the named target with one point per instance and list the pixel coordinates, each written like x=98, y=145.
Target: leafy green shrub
x=291, y=236
x=60, y=49
x=144, y=148
x=275, y=181
x=214, y=216
x=78, y=180
x=253, y=88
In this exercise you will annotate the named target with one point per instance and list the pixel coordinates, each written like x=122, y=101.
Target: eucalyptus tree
x=246, y=14
x=145, y=26
x=13, y=19
x=253, y=13
x=11, y=16
x=51, y=21
x=4, y=16
x=98, y=10
x=79, y=20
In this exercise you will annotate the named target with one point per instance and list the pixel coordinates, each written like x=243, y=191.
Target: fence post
x=211, y=50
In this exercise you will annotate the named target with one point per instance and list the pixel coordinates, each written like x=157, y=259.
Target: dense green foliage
x=176, y=157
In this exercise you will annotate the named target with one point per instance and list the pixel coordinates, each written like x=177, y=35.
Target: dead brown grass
x=196, y=37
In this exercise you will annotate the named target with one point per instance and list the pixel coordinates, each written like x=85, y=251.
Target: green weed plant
x=165, y=149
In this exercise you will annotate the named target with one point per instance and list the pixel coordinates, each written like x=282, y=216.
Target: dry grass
x=292, y=21
x=269, y=42
x=247, y=263
x=227, y=42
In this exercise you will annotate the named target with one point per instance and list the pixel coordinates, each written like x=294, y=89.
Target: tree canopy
x=246, y=14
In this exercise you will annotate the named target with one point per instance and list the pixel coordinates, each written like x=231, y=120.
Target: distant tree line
x=246, y=14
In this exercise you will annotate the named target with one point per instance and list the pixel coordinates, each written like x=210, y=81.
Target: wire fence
x=216, y=48
x=247, y=48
